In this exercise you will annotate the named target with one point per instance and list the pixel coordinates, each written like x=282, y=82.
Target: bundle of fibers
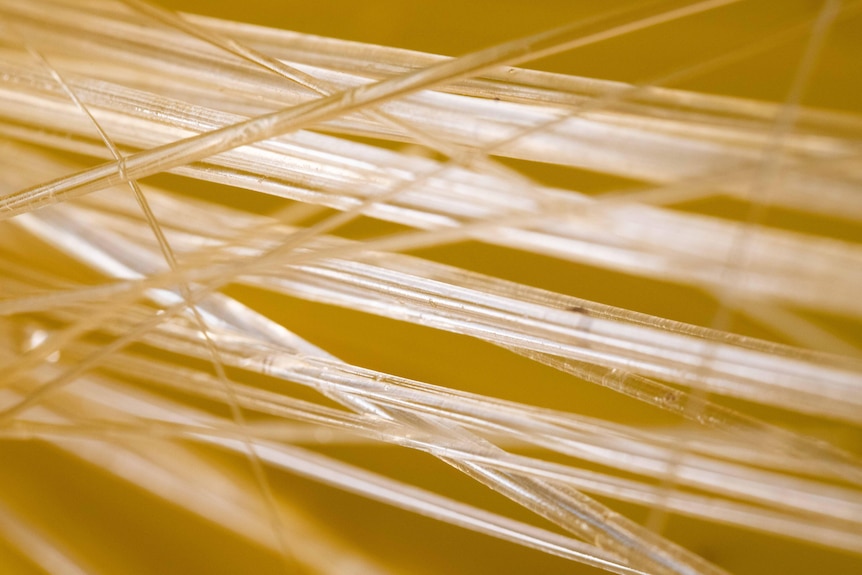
x=584, y=298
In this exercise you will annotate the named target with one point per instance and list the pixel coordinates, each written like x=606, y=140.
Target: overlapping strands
x=278, y=303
